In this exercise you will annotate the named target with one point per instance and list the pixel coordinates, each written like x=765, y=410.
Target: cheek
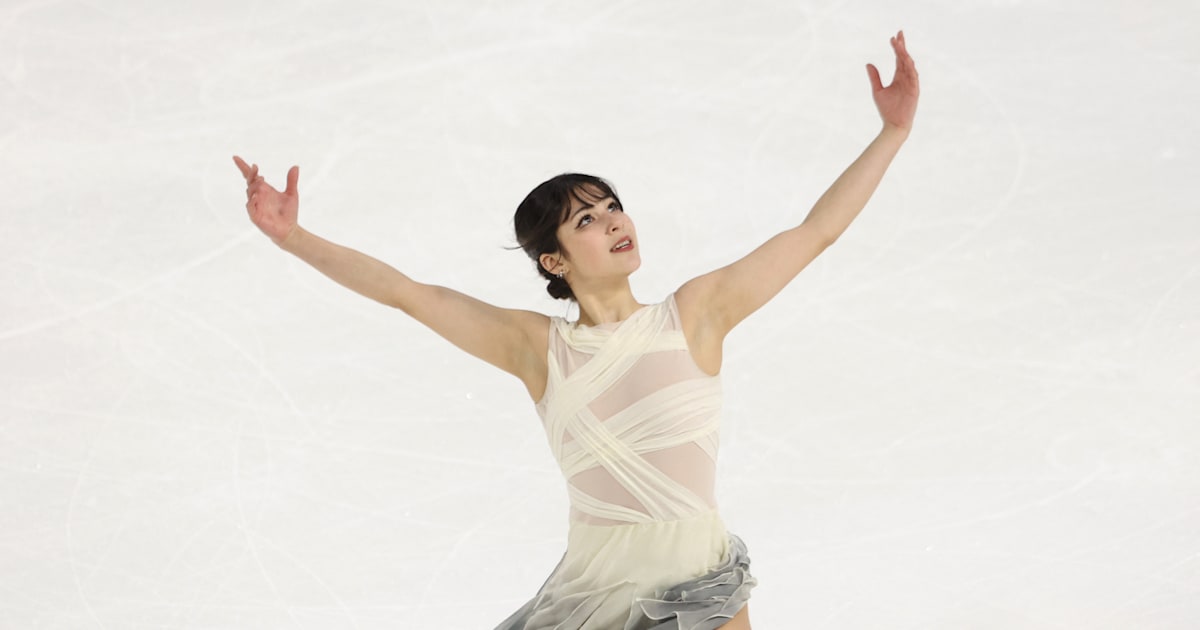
x=565, y=240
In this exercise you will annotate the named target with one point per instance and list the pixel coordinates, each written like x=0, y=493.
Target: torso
x=704, y=343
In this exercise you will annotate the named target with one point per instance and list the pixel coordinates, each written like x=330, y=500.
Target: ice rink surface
x=979, y=409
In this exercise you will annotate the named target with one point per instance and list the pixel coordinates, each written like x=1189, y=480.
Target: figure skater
x=629, y=394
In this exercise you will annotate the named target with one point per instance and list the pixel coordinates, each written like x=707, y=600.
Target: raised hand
x=274, y=212
x=897, y=103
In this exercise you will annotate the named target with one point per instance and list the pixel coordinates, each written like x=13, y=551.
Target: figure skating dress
x=633, y=423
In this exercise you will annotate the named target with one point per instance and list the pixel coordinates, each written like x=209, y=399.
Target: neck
x=613, y=304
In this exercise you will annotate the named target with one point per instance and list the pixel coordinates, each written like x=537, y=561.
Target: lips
x=624, y=244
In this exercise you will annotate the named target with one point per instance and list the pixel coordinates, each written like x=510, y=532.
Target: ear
x=551, y=263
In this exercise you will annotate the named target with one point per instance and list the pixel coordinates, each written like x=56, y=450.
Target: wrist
x=291, y=242
x=892, y=132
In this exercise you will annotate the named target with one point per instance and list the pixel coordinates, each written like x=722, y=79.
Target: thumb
x=292, y=179
x=873, y=73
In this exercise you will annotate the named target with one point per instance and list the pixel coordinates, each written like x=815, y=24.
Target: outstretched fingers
x=905, y=70
x=250, y=172
x=293, y=177
x=873, y=73
x=900, y=44
x=241, y=166
x=905, y=67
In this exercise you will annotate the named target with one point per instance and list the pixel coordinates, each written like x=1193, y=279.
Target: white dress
x=634, y=424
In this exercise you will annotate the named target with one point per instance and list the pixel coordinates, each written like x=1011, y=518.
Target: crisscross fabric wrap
x=634, y=424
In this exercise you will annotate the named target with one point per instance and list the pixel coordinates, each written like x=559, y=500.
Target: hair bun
x=559, y=289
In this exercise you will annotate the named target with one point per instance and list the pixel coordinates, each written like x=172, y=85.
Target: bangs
x=587, y=193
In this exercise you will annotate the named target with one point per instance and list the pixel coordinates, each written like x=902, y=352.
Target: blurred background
x=977, y=410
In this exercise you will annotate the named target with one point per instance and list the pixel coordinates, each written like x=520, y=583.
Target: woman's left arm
x=732, y=293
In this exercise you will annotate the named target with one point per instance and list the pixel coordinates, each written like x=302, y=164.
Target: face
x=594, y=226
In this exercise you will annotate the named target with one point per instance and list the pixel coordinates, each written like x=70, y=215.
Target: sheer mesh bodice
x=631, y=419
x=633, y=423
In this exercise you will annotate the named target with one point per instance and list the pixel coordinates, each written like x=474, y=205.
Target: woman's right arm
x=512, y=340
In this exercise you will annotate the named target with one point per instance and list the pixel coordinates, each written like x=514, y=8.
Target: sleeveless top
x=631, y=419
x=633, y=424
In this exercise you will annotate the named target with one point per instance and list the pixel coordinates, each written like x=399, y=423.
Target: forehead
x=588, y=194
x=584, y=195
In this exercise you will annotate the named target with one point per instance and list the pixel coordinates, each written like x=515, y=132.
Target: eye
x=587, y=218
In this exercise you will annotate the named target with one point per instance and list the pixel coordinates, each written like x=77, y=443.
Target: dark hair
x=544, y=209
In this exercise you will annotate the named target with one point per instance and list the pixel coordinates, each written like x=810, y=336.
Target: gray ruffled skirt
x=674, y=575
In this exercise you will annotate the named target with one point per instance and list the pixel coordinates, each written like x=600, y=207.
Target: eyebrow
x=587, y=207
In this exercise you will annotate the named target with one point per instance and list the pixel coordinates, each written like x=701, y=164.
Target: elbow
x=827, y=237
x=406, y=295
x=824, y=235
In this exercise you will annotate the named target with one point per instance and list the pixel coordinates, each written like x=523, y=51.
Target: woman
x=629, y=393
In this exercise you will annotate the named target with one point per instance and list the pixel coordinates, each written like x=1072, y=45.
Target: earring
x=560, y=274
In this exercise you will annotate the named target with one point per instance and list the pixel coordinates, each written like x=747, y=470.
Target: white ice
x=979, y=409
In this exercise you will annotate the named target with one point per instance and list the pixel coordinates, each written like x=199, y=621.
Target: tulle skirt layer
x=689, y=574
